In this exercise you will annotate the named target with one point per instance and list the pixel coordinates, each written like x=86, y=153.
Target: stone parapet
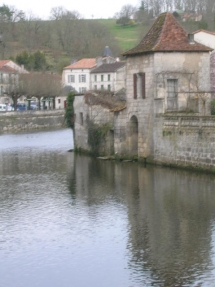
x=31, y=120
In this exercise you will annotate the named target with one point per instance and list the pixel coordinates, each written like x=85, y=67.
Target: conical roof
x=166, y=35
x=107, y=52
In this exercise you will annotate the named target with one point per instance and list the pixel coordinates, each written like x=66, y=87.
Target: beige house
x=108, y=77
x=208, y=38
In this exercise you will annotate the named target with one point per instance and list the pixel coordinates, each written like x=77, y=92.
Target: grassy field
x=126, y=36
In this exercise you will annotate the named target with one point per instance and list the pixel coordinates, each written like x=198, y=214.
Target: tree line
x=44, y=86
x=149, y=9
x=66, y=35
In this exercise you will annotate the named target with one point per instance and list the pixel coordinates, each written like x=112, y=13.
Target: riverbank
x=31, y=120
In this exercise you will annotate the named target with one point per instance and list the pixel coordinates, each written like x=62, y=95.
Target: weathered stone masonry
x=31, y=120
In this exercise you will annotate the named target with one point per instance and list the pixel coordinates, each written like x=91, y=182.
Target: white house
x=8, y=70
x=108, y=77
x=77, y=75
x=207, y=38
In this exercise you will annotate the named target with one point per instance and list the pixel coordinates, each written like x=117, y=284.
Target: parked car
x=20, y=107
x=9, y=108
x=3, y=108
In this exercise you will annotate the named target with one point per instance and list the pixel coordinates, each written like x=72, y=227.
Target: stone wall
x=99, y=116
x=185, y=140
x=31, y=120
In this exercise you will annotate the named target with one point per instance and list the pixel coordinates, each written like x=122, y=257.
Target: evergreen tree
x=69, y=115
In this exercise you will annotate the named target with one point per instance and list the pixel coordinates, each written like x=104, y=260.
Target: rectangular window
x=71, y=78
x=108, y=77
x=82, y=78
x=102, y=87
x=1, y=78
x=95, y=87
x=139, y=85
x=135, y=85
x=109, y=88
x=82, y=90
x=172, y=94
x=143, y=85
x=172, y=88
x=58, y=101
x=95, y=78
x=1, y=91
x=81, y=119
x=102, y=78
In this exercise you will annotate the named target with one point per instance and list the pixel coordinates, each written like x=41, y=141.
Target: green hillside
x=126, y=36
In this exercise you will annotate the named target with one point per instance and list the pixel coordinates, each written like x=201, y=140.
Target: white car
x=3, y=108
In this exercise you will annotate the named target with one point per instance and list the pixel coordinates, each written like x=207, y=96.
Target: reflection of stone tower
x=169, y=235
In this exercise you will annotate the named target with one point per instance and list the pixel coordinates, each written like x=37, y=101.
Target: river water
x=71, y=220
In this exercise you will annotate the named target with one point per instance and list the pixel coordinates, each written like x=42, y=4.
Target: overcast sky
x=87, y=8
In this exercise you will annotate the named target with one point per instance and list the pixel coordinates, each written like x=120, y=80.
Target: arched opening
x=133, y=136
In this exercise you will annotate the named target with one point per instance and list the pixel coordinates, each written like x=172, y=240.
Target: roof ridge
x=159, y=38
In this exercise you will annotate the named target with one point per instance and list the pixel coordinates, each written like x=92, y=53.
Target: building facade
x=166, y=118
x=108, y=77
x=9, y=72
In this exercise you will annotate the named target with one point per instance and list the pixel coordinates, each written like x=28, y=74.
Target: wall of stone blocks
x=185, y=141
x=31, y=120
x=100, y=116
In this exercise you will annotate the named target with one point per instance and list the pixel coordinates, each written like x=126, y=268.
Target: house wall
x=117, y=80
x=60, y=102
x=120, y=79
x=212, y=76
x=96, y=84
x=192, y=70
x=76, y=72
x=100, y=116
x=140, y=109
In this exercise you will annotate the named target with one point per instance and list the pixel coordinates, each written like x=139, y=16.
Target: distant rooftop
x=87, y=63
x=108, y=68
x=107, y=52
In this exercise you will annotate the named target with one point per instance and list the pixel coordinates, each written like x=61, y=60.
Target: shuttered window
x=143, y=79
x=135, y=85
x=139, y=85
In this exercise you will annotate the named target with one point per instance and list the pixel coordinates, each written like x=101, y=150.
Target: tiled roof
x=107, y=52
x=108, y=68
x=83, y=64
x=7, y=69
x=3, y=62
x=166, y=35
x=205, y=31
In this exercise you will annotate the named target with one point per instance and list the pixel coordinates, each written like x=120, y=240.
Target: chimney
x=191, y=39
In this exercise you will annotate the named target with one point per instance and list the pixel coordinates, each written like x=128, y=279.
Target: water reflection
x=69, y=219
x=170, y=218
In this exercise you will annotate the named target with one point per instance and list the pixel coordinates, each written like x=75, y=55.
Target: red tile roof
x=5, y=68
x=166, y=35
x=3, y=62
x=83, y=64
